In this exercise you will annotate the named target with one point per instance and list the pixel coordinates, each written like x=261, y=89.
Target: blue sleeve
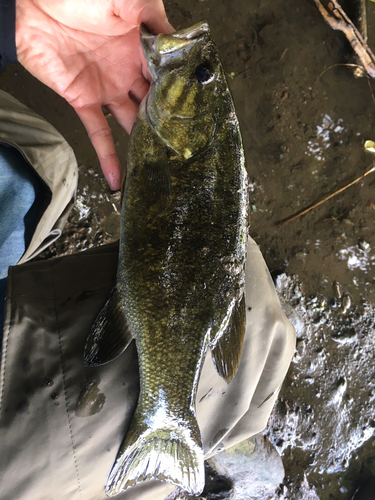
x=8, y=53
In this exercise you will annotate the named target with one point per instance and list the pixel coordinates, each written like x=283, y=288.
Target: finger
x=156, y=25
x=155, y=18
x=125, y=113
x=139, y=90
x=159, y=25
x=101, y=137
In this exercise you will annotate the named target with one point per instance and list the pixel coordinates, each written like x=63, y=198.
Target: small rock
x=345, y=336
x=346, y=303
x=252, y=465
x=338, y=289
x=257, y=469
x=302, y=255
x=364, y=246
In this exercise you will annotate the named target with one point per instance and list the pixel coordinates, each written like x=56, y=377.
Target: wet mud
x=304, y=119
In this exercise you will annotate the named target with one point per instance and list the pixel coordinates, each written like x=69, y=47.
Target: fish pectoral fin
x=157, y=181
x=226, y=352
x=109, y=335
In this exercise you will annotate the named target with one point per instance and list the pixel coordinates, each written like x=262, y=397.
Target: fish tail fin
x=165, y=452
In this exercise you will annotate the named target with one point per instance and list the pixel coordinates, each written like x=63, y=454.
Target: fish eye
x=203, y=73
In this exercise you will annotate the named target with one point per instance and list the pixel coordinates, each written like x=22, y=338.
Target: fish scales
x=180, y=281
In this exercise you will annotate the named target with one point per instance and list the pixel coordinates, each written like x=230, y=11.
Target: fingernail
x=169, y=27
x=114, y=181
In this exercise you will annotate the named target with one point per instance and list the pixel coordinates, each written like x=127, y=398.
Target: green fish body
x=181, y=274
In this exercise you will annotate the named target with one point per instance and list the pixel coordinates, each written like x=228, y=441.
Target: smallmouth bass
x=181, y=273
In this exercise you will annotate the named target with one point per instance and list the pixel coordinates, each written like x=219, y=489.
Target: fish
x=180, y=286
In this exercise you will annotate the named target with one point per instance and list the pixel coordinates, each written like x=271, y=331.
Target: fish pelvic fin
x=167, y=453
x=227, y=349
x=109, y=335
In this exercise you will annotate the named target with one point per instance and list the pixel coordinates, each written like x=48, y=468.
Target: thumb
x=153, y=15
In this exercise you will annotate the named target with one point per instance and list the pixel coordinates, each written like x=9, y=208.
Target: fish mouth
x=169, y=50
x=148, y=41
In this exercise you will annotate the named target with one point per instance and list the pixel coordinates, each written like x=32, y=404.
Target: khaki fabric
x=61, y=424
x=51, y=157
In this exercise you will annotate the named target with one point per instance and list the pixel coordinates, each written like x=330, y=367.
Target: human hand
x=89, y=52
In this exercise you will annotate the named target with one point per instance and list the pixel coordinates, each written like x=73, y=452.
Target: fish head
x=184, y=104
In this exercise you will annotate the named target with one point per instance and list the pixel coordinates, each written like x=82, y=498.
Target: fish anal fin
x=109, y=335
x=226, y=351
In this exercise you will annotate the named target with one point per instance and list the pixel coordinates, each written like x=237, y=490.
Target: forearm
x=8, y=53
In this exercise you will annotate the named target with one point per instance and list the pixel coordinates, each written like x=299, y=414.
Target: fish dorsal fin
x=109, y=335
x=226, y=351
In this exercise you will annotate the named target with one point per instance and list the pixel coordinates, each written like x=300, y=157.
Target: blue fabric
x=17, y=195
x=22, y=201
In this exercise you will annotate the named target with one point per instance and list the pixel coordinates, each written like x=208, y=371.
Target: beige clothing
x=51, y=157
x=61, y=424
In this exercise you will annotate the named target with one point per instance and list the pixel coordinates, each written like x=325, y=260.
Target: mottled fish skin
x=180, y=281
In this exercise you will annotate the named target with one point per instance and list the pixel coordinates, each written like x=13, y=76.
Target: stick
x=327, y=198
x=334, y=66
x=361, y=23
x=362, y=19
x=338, y=20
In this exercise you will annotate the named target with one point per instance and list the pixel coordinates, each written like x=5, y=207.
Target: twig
x=338, y=20
x=361, y=23
x=333, y=66
x=327, y=198
x=356, y=74
x=362, y=19
x=343, y=213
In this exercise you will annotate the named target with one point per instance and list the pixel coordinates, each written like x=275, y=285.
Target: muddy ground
x=304, y=119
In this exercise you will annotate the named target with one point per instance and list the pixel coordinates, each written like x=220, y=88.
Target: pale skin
x=89, y=52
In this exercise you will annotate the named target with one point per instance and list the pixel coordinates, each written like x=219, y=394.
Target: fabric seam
x=65, y=390
x=6, y=342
